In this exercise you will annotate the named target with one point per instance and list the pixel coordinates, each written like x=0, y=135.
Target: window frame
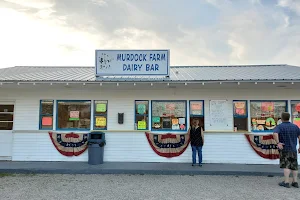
x=13, y=113
x=164, y=130
x=197, y=116
x=234, y=115
x=265, y=131
x=291, y=111
x=41, y=115
x=94, y=115
x=147, y=115
x=72, y=129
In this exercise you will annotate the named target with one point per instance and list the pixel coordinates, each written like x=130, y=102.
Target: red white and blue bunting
x=69, y=144
x=264, y=145
x=168, y=145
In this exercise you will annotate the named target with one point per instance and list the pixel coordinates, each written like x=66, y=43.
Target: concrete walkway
x=139, y=168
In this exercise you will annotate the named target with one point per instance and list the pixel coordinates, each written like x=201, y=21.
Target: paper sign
x=47, y=121
x=297, y=107
x=181, y=120
x=267, y=106
x=240, y=111
x=196, y=106
x=101, y=107
x=155, y=119
x=297, y=122
x=74, y=114
x=141, y=108
x=174, y=121
x=100, y=121
x=240, y=104
x=170, y=106
x=142, y=125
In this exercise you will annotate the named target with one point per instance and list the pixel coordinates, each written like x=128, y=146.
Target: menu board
x=164, y=109
x=218, y=113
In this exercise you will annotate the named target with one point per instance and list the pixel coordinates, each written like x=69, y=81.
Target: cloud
x=211, y=32
x=293, y=5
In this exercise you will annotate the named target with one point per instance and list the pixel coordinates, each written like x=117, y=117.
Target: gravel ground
x=32, y=187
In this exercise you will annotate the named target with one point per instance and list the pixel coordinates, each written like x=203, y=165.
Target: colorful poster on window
x=182, y=120
x=101, y=107
x=74, y=116
x=100, y=121
x=156, y=119
x=175, y=121
x=297, y=107
x=141, y=108
x=47, y=121
x=297, y=121
x=267, y=106
x=142, y=125
x=196, y=108
x=240, y=108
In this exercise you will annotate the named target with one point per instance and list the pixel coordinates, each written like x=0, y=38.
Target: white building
x=229, y=100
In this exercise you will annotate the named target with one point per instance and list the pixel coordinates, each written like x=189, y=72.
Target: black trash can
x=96, y=143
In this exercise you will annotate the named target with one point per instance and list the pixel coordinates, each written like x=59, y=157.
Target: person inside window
x=197, y=141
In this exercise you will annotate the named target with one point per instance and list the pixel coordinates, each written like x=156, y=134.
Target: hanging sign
x=132, y=62
x=101, y=107
x=74, y=116
x=142, y=125
x=141, y=109
x=100, y=121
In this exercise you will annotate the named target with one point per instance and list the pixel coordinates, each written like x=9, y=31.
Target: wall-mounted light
x=83, y=84
x=100, y=84
x=238, y=83
x=151, y=84
x=255, y=83
x=292, y=83
x=51, y=83
x=117, y=84
x=18, y=83
x=67, y=83
x=33, y=84
x=185, y=83
x=134, y=84
x=220, y=83
x=168, y=83
x=202, y=83
x=273, y=83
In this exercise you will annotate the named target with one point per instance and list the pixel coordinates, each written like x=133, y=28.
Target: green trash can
x=96, y=143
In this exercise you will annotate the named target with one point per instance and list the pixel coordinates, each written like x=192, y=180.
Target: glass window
x=265, y=115
x=141, y=114
x=240, y=115
x=168, y=115
x=295, y=112
x=46, y=114
x=100, y=115
x=197, y=111
x=73, y=115
x=6, y=117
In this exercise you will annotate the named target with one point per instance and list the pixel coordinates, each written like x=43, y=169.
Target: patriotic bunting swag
x=168, y=145
x=264, y=145
x=69, y=144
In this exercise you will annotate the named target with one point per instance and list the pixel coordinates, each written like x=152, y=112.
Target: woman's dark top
x=196, y=138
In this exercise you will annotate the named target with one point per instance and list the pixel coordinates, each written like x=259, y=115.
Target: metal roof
x=177, y=73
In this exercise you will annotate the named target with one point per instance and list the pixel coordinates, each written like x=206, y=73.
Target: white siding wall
x=123, y=144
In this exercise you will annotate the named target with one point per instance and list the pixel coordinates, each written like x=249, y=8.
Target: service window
x=100, y=115
x=6, y=116
x=295, y=108
x=240, y=115
x=141, y=114
x=73, y=115
x=46, y=115
x=168, y=115
x=197, y=111
x=265, y=115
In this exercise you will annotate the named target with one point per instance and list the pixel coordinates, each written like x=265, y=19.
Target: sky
x=197, y=32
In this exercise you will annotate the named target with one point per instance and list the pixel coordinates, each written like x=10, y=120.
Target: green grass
x=13, y=175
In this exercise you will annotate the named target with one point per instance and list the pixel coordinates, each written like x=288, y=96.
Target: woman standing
x=197, y=141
